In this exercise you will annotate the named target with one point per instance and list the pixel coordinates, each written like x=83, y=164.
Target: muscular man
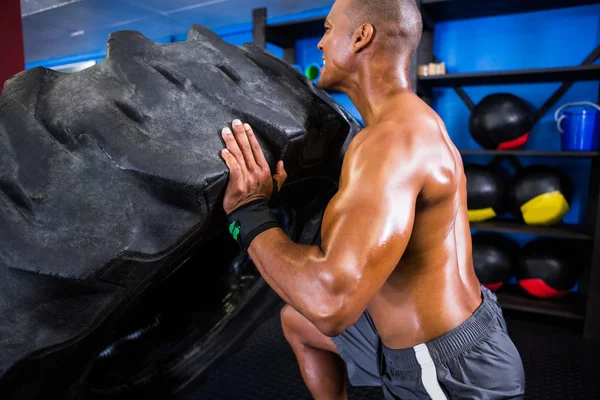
x=391, y=292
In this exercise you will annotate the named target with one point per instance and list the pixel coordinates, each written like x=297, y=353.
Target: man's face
x=336, y=46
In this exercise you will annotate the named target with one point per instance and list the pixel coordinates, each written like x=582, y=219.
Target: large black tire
x=111, y=187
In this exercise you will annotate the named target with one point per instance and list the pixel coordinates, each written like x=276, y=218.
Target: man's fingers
x=280, y=175
x=242, y=140
x=230, y=160
x=280, y=168
x=235, y=173
x=259, y=156
x=232, y=146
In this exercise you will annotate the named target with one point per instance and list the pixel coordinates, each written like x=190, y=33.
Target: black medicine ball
x=539, y=195
x=548, y=268
x=493, y=258
x=485, y=192
x=501, y=121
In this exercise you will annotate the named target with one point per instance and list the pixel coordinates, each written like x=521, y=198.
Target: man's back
x=434, y=288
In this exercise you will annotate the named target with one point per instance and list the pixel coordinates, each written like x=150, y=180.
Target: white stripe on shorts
x=428, y=373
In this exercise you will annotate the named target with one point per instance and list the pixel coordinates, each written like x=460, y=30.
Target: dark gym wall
x=12, y=58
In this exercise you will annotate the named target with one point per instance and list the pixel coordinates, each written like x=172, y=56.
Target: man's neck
x=374, y=87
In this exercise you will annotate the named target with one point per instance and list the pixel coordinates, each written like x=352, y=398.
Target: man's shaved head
x=398, y=22
x=368, y=38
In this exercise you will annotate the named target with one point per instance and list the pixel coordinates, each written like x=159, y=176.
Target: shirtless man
x=391, y=292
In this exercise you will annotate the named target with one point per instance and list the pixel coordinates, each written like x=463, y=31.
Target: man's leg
x=322, y=369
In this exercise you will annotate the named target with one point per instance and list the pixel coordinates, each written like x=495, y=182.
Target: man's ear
x=363, y=36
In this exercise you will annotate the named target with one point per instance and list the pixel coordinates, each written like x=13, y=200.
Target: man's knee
x=299, y=331
x=290, y=324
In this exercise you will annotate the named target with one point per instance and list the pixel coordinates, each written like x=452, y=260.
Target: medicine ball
x=485, y=192
x=501, y=121
x=493, y=258
x=539, y=195
x=548, y=268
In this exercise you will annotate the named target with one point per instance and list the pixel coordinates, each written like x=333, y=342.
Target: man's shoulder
x=385, y=148
x=415, y=143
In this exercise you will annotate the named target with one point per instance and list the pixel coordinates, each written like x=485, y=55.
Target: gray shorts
x=476, y=360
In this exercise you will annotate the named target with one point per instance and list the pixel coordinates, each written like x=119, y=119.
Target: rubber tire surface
x=111, y=176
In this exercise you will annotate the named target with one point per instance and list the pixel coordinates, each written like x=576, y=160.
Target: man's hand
x=249, y=174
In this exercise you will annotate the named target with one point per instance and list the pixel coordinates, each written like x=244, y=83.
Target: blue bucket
x=579, y=125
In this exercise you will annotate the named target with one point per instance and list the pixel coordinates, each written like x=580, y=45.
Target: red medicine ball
x=548, y=268
x=501, y=121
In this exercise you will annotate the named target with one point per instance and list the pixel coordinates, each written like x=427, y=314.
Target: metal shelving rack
x=583, y=306
x=577, y=73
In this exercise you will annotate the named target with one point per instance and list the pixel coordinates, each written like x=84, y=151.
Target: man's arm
x=366, y=228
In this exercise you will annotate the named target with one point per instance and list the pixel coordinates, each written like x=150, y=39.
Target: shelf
x=564, y=231
x=568, y=74
x=286, y=33
x=571, y=305
x=535, y=153
x=448, y=10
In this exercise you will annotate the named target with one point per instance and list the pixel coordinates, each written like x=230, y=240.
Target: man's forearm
x=298, y=273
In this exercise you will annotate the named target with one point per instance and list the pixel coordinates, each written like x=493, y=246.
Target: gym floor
x=559, y=364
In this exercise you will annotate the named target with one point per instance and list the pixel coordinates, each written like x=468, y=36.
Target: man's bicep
x=365, y=232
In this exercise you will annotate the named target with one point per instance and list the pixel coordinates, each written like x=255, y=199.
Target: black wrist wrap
x=249, y=221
